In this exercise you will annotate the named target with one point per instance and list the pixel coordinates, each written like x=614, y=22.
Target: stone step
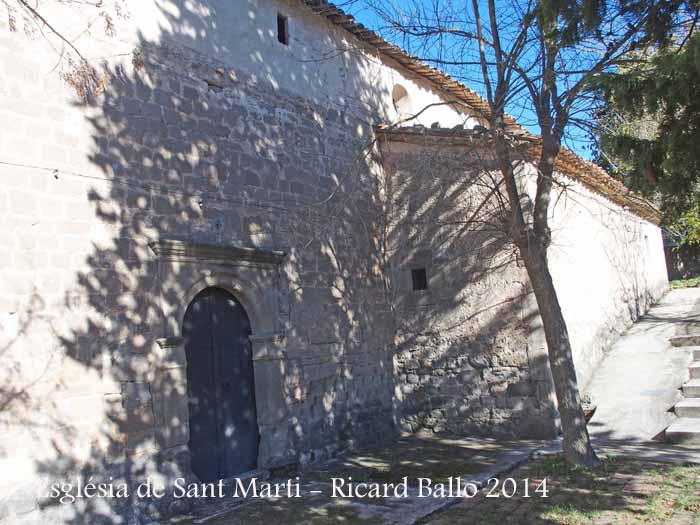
x=689, y=407
x=694, y=370
x=685, y=340
x=691, y=388
x=694, y=351
x=684, y=430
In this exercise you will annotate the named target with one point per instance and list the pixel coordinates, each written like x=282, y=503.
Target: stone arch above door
x=253, y=277
x=250, y=274
x=258, y=302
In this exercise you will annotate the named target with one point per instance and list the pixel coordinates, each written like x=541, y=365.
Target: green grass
x=621, y=491
x=568, y=514
x=686, y=283
x=589, y=498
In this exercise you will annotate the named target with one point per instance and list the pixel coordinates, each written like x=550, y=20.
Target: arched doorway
x=220, y=386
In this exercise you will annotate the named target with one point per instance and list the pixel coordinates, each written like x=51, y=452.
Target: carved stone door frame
x=252, y=276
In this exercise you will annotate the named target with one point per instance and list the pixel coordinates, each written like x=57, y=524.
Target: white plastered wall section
x=608, y=267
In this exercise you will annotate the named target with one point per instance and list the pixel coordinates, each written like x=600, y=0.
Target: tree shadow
x=194, y=158
x=188, y=148
x=621, y=490
x=470, y=357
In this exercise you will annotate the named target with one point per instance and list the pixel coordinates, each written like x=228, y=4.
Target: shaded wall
x=471, y=351
x=207, y=132
x=470, y=355
x=93, y=375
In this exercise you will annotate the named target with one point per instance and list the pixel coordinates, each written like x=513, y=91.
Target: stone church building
x=240, y=252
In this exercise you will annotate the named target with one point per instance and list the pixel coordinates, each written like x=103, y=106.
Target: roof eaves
x=599, y=180
x=574, y=167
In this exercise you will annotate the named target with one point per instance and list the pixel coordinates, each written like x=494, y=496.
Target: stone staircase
x=686, y=429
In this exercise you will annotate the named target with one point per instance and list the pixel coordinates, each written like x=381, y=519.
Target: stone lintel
x=175, y=250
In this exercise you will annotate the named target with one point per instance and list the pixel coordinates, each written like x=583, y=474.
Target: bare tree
x=535, y=58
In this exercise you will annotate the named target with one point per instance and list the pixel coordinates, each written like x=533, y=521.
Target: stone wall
x=469, y=354
x=176, y=150
x=207, y=132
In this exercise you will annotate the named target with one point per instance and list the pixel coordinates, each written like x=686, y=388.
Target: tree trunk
x=577, y=444
x=532, y=242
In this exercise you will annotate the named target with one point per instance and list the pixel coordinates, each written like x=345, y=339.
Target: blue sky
x=367, y=16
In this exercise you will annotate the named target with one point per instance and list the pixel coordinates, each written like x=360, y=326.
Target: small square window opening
x=282, y=29
x=420, y=279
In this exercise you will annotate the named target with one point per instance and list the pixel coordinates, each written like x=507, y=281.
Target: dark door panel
x=223, y=423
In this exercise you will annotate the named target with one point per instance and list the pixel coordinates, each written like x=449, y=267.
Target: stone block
x=190, y=92
x=520, y=389
x=142, y=443
x=139, y=418
x=269, y=391
x=136, y=394
x=170, y=407
x=24, y=202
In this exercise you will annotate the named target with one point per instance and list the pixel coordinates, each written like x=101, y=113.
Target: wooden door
x=221, y=390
